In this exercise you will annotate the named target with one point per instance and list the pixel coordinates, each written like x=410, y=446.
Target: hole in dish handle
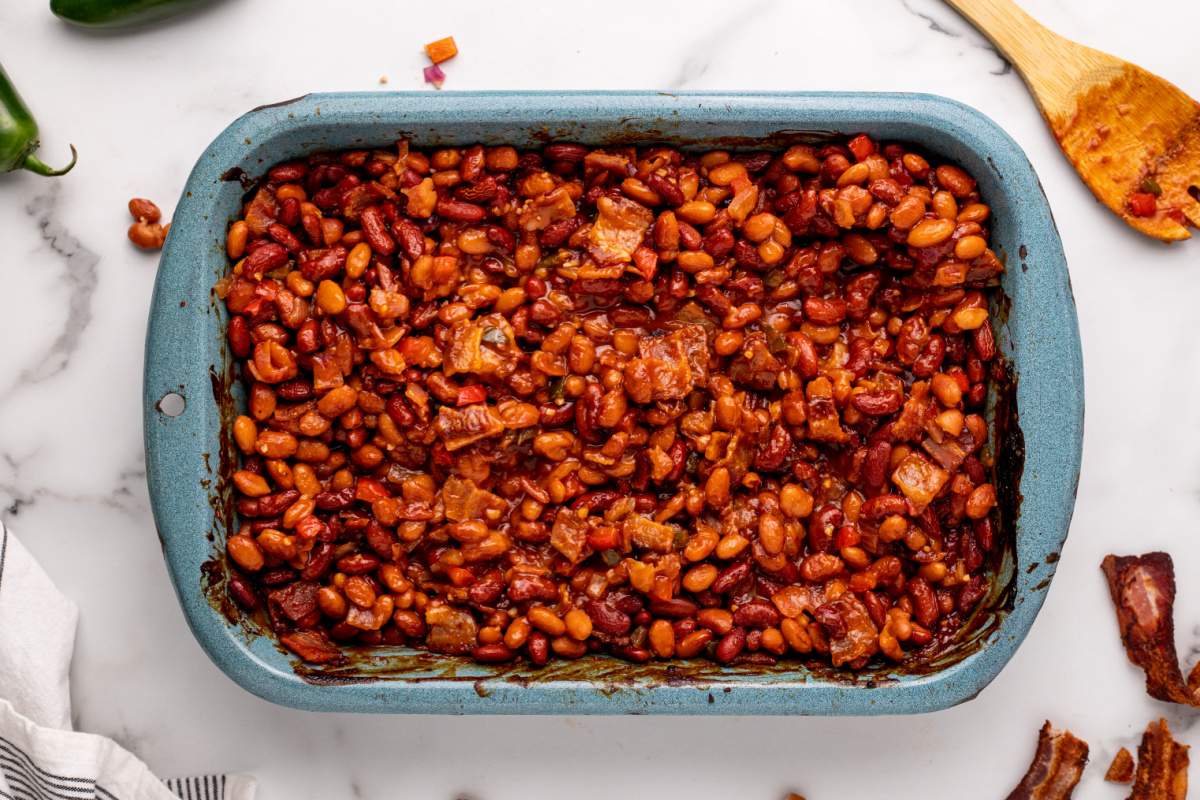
x=171, y=404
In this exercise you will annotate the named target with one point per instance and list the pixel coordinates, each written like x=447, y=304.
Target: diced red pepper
x=469, y=395
x=861, y=146
x=1143, y=204
x=369, y=490
x=605, y=537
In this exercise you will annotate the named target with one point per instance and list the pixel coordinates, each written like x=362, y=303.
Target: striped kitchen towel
x=41, y=758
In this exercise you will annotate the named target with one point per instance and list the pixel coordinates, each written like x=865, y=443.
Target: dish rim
x=179, y=355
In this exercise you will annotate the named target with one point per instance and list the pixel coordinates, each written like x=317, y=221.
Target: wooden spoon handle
x=1020, y=37
x=1050, y=64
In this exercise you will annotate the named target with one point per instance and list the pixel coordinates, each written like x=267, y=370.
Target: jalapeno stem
x=35, y=164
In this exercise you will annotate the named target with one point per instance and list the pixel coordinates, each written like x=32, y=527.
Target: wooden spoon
x=1133, y=137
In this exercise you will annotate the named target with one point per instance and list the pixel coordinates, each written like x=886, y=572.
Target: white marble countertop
x=141, y=108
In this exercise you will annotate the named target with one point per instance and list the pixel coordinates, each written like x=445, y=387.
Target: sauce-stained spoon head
x=1134, y=138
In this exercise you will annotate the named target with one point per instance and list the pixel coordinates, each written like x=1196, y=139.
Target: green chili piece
x=117, y=13
x=19, y=134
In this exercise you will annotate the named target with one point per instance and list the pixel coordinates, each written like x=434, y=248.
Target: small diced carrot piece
x=441, y=50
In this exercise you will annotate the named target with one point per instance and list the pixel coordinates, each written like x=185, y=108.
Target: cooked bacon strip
x=312, y=646
x=1143, y=591
x=1121, y=768
x=1162, y=766
x=1056, y=768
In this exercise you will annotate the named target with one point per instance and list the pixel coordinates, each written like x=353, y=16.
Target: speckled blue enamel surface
x=185, y=338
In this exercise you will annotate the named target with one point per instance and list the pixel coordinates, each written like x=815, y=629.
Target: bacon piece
x=1056, y=768
x=451, y=630
x=1162, y=766
x=852, y=635
x=464, y=500
x=824, y=424
x=544, y=210
x=463, y=426
x=261, y=212
x=312, y=646
x=950, y=453
x=481, y=346
x=620, y=226
x=569, y=535
x=648, y=534
x=792, y=601
x=1121, y=768
x=919, y=480
x=1143, y=591
x=755, y=365
x=674, y=364
x=916, y=414
x=296, y=600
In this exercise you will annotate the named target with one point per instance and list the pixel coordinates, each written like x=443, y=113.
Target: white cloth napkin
x=41, y=758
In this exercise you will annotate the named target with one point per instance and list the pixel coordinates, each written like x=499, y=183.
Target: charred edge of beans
x=213, y=583
x=673, y=668
x=238, y=174
x=218, y=488
x=220, y=484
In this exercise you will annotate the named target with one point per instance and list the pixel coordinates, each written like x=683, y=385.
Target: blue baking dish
x=188, y=400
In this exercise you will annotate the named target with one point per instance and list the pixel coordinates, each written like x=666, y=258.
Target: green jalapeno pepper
x=19, y=134
x=117, y=13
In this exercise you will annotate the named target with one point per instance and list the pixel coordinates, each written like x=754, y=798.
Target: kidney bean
x=884, y=505
x=730, y=646
x=358, y=564
x=731, y=576
x=531, y=587
x=972, y=592
x=876, y=463
x=562, y=151
x=607, y=618
x=487, y=590
x=459, y=211
x=492, y=653
x=322, y=263
x=277, y=577
x=675, y=608
x=242, y=593
x=821, y=526
x=374, y=228
x=410, y=238
x=757, y=613
x=925, y=605
x=878, y=403
x=335, y=500
x=290, y=172
x=266, y=258
x=666, y=189
x=984, y=341
x=238, y=335
x=275, y=504
x=320, y=559
x=294, y=390
x=557, y=232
